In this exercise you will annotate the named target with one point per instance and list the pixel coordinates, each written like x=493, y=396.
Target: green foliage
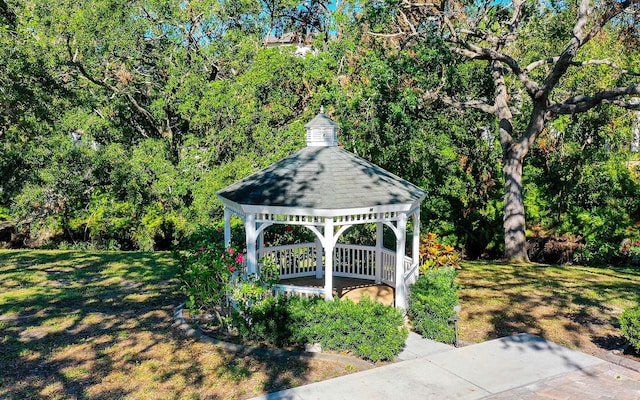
x=206, y=275
x=366, y=329
x=273, y=320
x=436, y=255
x=432, y=299
x=247, y=291
x=630, y=326
x=580, y=185
x=171, y=114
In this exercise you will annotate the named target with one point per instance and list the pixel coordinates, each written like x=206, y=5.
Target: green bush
x=367, y=329
x=206, y=275
x=431, y=304
x=275, y=320
x=630, y=326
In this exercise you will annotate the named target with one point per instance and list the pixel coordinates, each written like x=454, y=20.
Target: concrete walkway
x=516, y=367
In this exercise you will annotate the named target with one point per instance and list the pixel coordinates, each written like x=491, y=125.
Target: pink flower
x=220, y=229
x=201, y=249
x=230, y=250
x=231, y=268
x=239, y=258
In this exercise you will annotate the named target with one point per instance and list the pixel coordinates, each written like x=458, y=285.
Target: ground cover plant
x=99, y=325
x=574, y=306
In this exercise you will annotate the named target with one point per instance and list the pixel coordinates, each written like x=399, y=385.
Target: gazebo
x=328, y=190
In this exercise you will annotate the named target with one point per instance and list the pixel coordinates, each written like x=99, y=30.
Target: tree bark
x=515, y=242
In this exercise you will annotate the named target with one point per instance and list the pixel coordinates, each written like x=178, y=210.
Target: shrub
x=205, y=274
x=367, y=329
x=436, y=255
x=432, y=299
x=630, y=326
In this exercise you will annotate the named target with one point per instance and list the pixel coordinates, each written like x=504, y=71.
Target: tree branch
x=608, y=63
x=469, y=104
x=148, y=116
x=582, y=103
x=580, y=38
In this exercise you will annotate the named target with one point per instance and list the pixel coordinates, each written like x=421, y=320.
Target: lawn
x=572, y=305
x=99, y=325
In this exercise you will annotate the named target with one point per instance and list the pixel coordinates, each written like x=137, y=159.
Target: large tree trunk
x=515, y=242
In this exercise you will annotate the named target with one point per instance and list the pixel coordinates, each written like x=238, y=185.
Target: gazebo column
x=227, y=227
x=415, y=250
x=379, y=242
x=329, y=245
x=401, y=238
x=319, y=254
x=251, y=237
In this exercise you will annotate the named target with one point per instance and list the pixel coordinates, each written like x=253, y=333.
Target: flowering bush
x=206, y=274
x=215, y=281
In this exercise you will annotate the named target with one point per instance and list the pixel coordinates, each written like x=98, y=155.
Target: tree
x=527, y=71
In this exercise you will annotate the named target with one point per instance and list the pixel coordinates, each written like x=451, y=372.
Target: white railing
x=408, y=264
x=352, y=261
x=299, y=291
x=295, y=260
x=411, y=272
x=388, y=265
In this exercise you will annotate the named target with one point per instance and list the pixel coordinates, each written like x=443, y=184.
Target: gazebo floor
x=349, y=288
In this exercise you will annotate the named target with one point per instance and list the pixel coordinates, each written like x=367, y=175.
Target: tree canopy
x=119, y=120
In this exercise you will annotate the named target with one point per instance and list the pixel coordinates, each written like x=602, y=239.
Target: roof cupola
x=322, y=131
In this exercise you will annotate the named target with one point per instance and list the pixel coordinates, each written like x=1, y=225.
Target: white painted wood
x=319, y=257
x=227, y=227
x=379, y=240
x=415, y=250
x=401, y=300
x=388, y=267
x=355, y=261
x=299, y=291
x=295, y=260
x=251, y=238
x=328, y=244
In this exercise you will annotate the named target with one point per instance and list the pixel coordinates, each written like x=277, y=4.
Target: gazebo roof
x=323, y=178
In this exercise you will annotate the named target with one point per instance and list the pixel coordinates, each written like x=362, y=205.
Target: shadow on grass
x=574, y=306
x=99, y=325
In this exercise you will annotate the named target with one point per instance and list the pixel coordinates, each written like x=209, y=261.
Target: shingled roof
x=323, y=178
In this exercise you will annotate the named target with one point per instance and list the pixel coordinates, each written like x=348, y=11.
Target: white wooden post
x=401, y=238
x=319, y=254
x=329, y=245
x=252, y=237
x=379, y=245
x=227, y=227
x=415, y=251
x=260, y=243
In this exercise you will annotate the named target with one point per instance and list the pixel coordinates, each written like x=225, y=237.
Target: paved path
x=516, y=367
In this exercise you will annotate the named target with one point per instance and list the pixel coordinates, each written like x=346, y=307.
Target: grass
x=86, y=325
x=571, y=305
